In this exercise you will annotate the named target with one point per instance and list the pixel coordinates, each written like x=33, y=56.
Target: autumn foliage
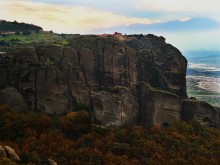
x=72, y=140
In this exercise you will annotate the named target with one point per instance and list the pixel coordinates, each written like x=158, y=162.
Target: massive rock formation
x=122, y=80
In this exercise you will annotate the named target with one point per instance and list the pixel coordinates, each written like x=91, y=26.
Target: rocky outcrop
x=158, y=107
x=217, y=119
x=2, y=152
x=26, y=57
x=51, y=162
x=13, y=98
x=160, y=64
x=116, y=108
x=140, y=79
x=8, y=152
x=11, y=154
x=201, y=111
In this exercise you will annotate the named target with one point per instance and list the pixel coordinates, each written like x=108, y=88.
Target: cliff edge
x=121, y=80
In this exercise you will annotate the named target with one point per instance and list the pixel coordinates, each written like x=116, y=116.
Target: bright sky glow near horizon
x=188, y=25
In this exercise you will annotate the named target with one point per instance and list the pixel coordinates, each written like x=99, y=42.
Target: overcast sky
x=188, y=24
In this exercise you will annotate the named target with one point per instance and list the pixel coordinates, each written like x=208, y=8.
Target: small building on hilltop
x=118, y=35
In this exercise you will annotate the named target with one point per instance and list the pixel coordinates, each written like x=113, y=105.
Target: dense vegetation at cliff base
x=72, y=139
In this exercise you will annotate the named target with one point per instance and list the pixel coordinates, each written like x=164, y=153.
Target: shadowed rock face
x=13, y=98
x=200, y=111
x=158, y=107
x=138, y=80
x=115, y=108
x=160, y=64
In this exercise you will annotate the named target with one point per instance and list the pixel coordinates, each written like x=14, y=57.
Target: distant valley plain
x=203, y=76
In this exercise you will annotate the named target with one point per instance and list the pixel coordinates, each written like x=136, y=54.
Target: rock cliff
x=200, y=111
x=121, y=80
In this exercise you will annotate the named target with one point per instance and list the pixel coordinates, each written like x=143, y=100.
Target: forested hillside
x=6, y=26
x=71, y=140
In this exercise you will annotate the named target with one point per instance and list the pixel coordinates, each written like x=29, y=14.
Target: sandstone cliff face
x=158, y=107
x=200, y=111
x=138, y=80
x=115, y=109
x=160, y=64
x=13, y=98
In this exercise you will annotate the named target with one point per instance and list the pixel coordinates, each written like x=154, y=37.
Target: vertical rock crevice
x=86, y=82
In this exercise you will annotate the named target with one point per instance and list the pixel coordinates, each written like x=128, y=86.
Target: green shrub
x=81, y=106
x=17, y=33
x=26, y=33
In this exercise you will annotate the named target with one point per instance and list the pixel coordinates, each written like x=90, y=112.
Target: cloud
x=165, y=5
x=170, y=18
x=179, y=5
x=125, y=7
x=64, y=18
x=80, y=16
x=184, y=24
x=203, y=67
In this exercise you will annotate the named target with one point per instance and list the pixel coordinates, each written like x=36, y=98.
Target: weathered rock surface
x=140, y=79
x=26, y=56
x=13, y=98
x=10, y=152
x=200, y=111
x=2, y=152
x=116, y=109
x=160, y=64
x=51, y=162
x=158, y=107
